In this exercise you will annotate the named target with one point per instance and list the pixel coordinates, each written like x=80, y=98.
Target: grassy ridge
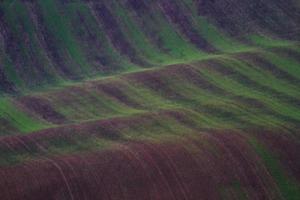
x=238, y=85
x=55, y=42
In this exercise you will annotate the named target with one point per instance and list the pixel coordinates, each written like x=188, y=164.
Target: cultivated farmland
x=149, y=99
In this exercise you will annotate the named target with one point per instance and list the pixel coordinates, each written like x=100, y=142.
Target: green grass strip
x=289, y=189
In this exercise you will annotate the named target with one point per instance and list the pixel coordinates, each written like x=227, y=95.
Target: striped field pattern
x=149, y=99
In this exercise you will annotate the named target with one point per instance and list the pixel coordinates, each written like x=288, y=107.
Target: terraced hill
x=149, y=99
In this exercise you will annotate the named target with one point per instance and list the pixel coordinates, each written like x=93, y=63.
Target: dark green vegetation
x=149, y=99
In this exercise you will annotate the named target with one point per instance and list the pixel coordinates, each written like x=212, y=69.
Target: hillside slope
x=149, y=99
x=50, y=41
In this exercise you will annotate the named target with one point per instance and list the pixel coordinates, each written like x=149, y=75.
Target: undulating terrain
x=149, y=99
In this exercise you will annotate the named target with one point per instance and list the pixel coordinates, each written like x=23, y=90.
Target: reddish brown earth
x=208, y=166
x=286, y=147
x=115, y=90
x=42, y=108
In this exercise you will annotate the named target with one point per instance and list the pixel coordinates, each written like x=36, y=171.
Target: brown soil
x=42, y=108
x=207, y=167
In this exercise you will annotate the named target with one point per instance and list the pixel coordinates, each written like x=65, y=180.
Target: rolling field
x=149, y=99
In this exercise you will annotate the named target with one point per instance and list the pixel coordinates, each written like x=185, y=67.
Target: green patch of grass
x=59, y=25
x=289, y=65
x=137, y=37
x=11, y=73
x=240, y=89
x=20, y=120
x=267, y=41
x=23, y=31
x=211, y=33
x=77, y=11
x=263, y=77
x=169, y=40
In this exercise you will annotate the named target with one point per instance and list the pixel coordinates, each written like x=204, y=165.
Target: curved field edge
x=53, y=42
x=164, y=169
x=234, y=90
